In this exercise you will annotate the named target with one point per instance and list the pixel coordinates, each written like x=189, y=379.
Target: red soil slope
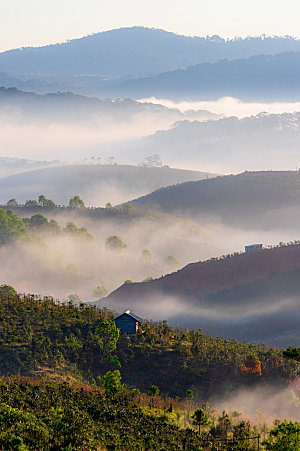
x=198, y=280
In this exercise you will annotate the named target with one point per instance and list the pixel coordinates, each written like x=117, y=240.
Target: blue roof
x=136, y=318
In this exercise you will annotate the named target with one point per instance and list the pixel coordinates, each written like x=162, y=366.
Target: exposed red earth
x=198, y=280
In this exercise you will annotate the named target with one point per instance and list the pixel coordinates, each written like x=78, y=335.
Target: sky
x=39, y=22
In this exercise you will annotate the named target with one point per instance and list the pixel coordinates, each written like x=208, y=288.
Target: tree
x=200, y=418
x=12, y=203
x=106, y=336
x=7, y=290
x=72, y=229
x=108, y=206
x=76, y=202
x=111, y=382
x=148, y=279
x=31, y=203
x=147, y=256
x=153, y=391
x=44, y=202
x=75, y=298
x=11, y=227
x=115, y=243
x=171, y=262
x=38, y=221
x=152, y=161
x=100, y=292
x=224, y=424
x=292, y=353
x=190, y=394
x=127, y=209
x=284, y=437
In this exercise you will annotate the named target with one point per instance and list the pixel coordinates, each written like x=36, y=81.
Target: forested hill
x=41, y=335
x=262, y=199
x=135, y=51
x=251, y=297
x=82, y=389
x=261, y=77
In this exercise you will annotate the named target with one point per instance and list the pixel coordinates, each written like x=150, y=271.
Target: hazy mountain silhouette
x=135, y=51
x=67, y=106
x=269, y=199
x=98, y=184
x=265, y=141
x=262, y=77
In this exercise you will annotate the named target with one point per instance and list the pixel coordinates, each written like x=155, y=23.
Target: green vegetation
x=284, y=437
x=37, y=333
x=115, y=243
x=76, y=202
x=200, y=418
x=292, y=353
x=39, y=223
x=12, y=203
x=44, y=202
x=82, y=232
x=11, y=227
x=80, y=343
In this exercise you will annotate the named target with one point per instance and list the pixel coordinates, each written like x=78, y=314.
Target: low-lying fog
x=228, y=106
x=59, y=265
x=175, y=134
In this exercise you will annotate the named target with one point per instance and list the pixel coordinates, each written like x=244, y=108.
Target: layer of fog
x=59, y=265
x=49, y=133
x=278, y=403
x=228, y=106
x=52, y=140
x=226, y=148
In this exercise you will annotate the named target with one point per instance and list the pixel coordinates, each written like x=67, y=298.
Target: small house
x=128, y=323
x=252, y=248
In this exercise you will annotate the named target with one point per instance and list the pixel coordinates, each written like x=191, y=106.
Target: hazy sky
x=38, y=22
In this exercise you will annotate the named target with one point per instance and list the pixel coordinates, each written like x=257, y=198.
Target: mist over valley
x=149, y=237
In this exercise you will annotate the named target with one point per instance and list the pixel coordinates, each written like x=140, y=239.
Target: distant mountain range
x=137, y=62
x=266, y=200
x=135, y=51
x=69, y=107
x=261, y=77
x=247, y=297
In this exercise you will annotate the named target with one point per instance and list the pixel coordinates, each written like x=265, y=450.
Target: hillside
x=69, y=380
x=134, y=51
x=251, y=297
x=40, y=334
x=263, y=200
x=261, y=77
x=97, y=184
